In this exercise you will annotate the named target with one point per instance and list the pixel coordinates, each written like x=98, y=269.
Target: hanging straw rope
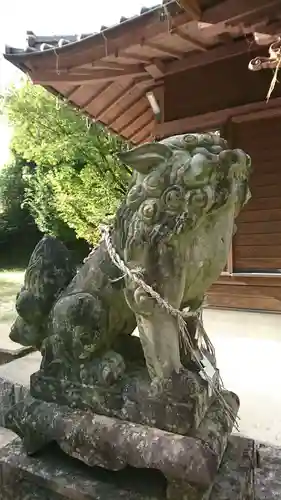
x=274, y=78
x=136, y=276
x=57, y=61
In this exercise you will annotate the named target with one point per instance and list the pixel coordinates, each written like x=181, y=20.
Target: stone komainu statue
x=176, y=225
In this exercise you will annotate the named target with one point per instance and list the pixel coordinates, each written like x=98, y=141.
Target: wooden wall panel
x=250, y=296
x=223, y=84
x=256, y=246
x=249, y=292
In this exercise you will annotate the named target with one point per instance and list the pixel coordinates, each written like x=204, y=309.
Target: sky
x=54, y=17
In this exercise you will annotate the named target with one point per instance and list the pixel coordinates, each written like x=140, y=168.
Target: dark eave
x=107, y=74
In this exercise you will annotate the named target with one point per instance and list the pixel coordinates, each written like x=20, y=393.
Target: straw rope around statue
x=184, y=337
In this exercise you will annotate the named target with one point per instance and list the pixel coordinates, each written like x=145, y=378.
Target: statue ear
x=146, y=157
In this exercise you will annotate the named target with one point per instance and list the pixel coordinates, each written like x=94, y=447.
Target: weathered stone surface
x=178, y=220
x=111, y=443
x=48, y=272
x=268, y=473
x=14, y=487
x=237, y=472
x=176, y=225
x=214, y=432
x=169, y=242
x=10, y=394
x=84, y=321
x=177, y=405
x=62, y=477
x=217, y=425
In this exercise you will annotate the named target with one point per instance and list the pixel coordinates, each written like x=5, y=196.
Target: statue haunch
x=176, y=224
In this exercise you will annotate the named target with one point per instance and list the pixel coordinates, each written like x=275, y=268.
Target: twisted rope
x=136, y=276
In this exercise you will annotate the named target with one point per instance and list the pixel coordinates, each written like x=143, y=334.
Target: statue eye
x=191, y=141
x=199, y=199
x=149, y=210
x=173, y=199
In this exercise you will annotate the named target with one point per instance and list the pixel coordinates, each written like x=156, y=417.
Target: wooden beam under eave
x=52, y=78
x=231, y=10
x=132, y=69
x=156, y=70
x=143, y=133
x=165, y=50
x=134, y=56
x=196, y=44
x=141, y=88
x=95, y=96
x=192, y=8
x=115, y=66
x=215, y=119
x=115, y=100
x=210, y=56
x=133, y=119
x=138, y=124
x=132, y=103
x=109, y=42
x=258, y=115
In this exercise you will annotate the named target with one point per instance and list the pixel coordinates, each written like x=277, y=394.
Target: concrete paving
x=19, y=370
x=248, y=348
x=6, y=437
x=5, y=343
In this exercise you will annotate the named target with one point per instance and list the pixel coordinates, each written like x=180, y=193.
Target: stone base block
x=268, y=477
x=114, y=444
x=179, y=406
x=52, y=475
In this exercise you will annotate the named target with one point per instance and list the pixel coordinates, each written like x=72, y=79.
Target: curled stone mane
x=176, y=182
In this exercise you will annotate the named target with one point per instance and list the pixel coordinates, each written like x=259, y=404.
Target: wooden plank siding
x=256, y=246
x=217, y=86
x=249, y=295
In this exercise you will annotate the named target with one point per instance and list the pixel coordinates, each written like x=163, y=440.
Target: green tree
x=18, y=232
x=12, y=192
x=77, y=180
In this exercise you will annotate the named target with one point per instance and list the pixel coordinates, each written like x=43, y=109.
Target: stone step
x=8, y=355
x=19, y=370
x=15, y=381
x=6, y=437
x=12, y=489
x=10, y=350
x=56, y=476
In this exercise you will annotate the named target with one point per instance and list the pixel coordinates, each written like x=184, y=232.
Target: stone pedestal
x=51, y=475
x=189, y=463
x=177, y=426
x=178, y=405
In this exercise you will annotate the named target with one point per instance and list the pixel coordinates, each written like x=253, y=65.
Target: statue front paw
x=103, y=371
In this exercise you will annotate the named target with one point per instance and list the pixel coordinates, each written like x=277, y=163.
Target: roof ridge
x=38, y=43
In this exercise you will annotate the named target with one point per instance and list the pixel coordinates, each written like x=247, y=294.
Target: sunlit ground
x=10, y=284
x=248, y=349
